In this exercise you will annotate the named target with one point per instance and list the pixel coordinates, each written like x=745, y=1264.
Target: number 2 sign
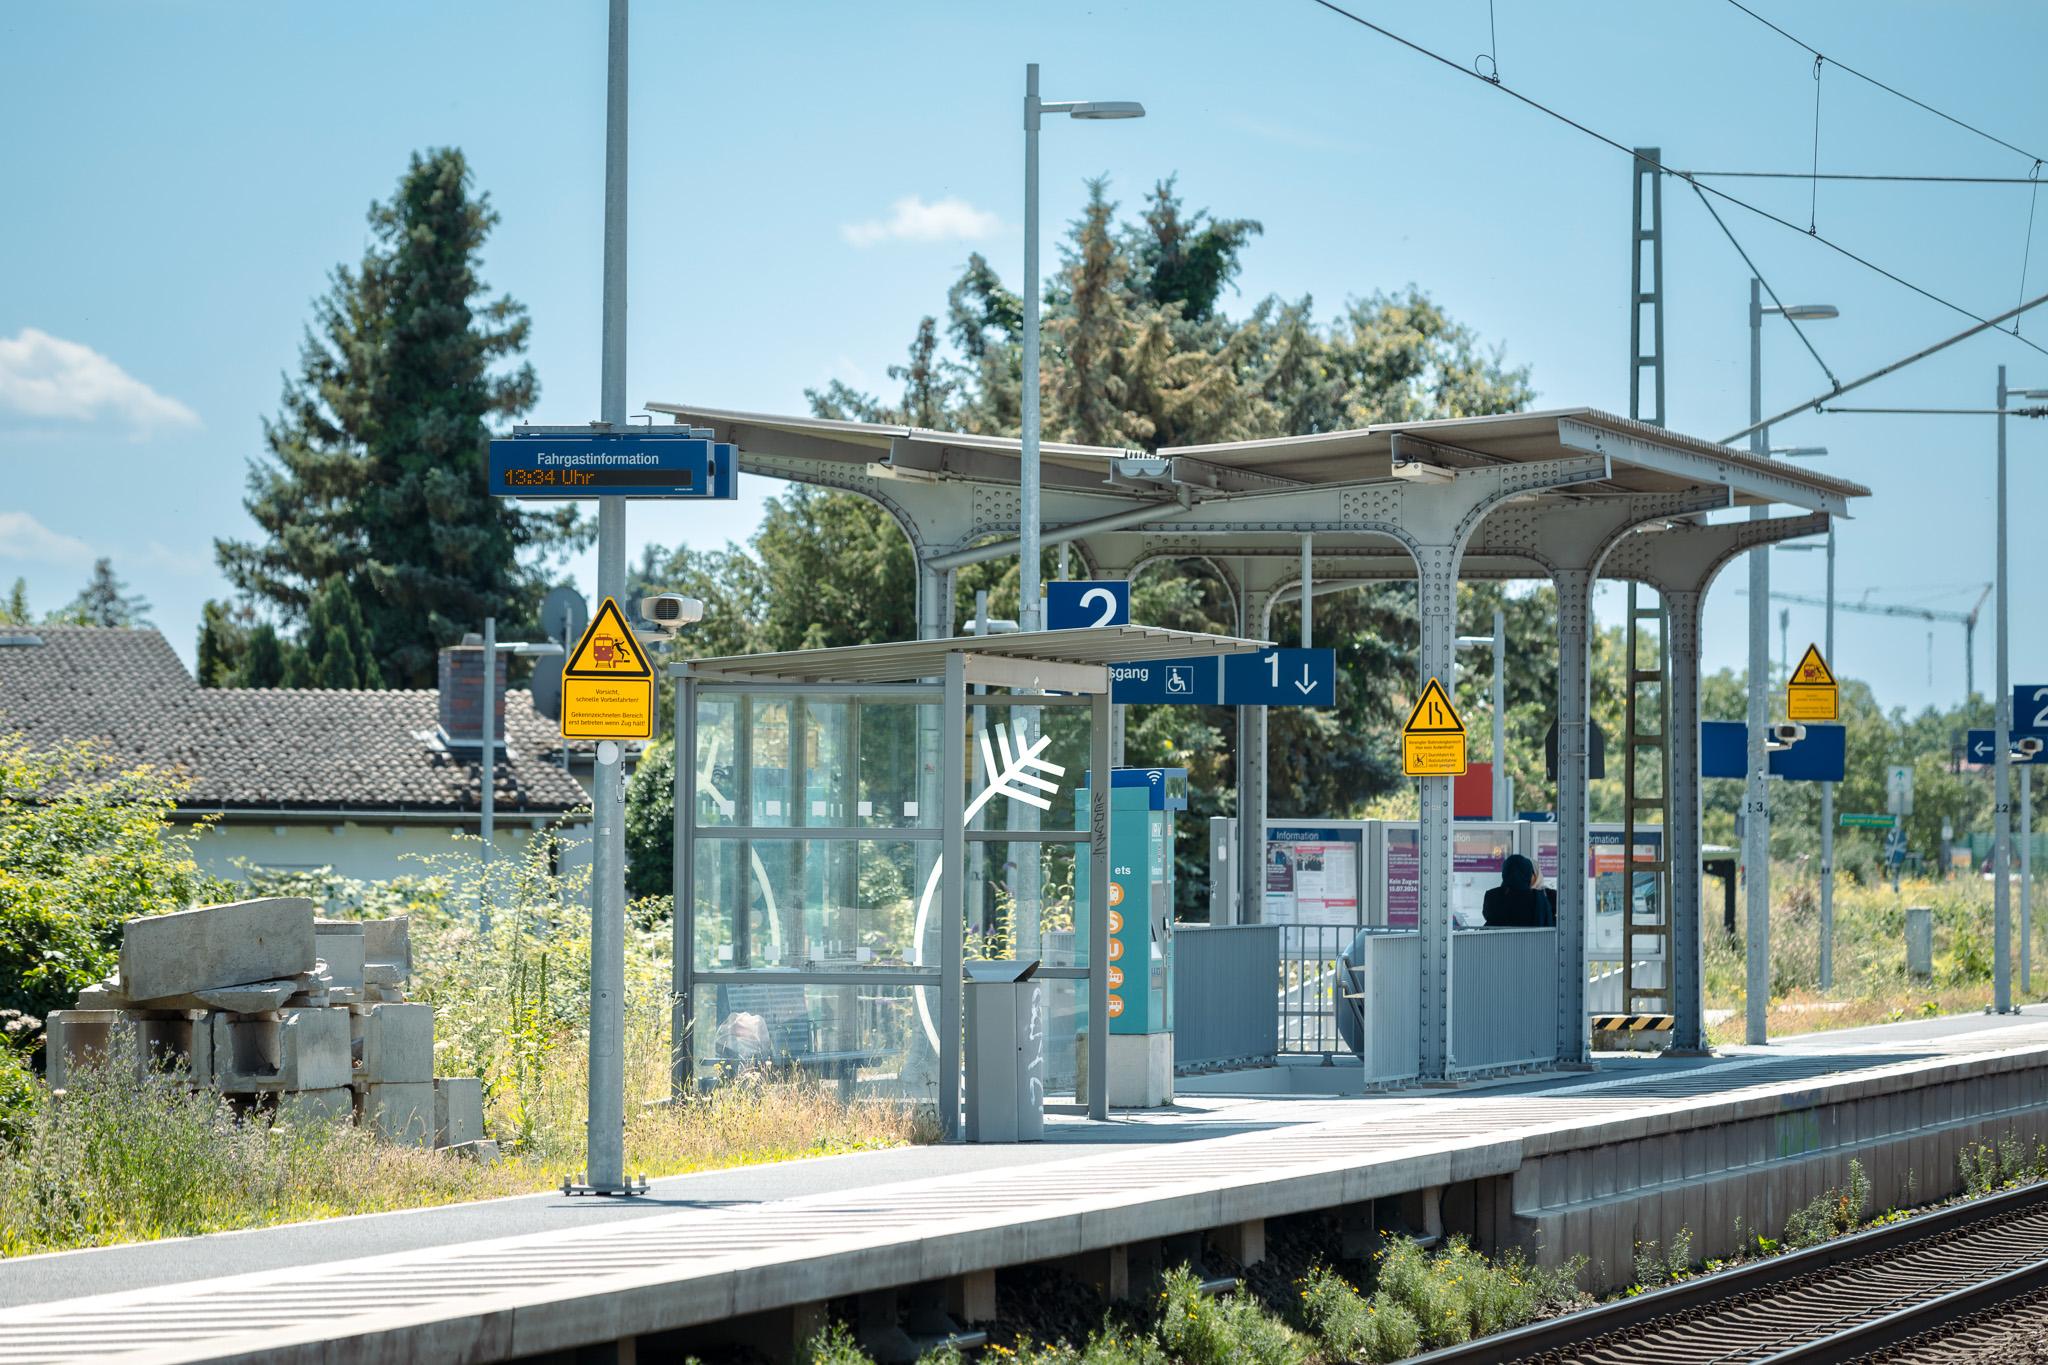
x=1087, y=603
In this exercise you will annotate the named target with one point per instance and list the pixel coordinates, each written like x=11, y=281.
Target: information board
x=1312, y=874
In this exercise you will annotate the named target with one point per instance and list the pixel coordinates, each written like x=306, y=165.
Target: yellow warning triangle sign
x=1813, y=670
x=1433, y=714
x=608, y=649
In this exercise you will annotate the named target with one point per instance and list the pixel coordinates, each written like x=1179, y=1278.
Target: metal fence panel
x=1223, y=1012
x=1504, y=998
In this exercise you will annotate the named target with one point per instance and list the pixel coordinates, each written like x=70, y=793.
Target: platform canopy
x=1566, y=495
x=902, y=661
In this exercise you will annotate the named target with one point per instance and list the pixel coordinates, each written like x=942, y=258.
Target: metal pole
x=2026, y=879
x=487, y=822
x=1308, y=589
x=952, y=891
x=1756, y=818
x=1098, y=906
x=1027, y=473
x=1827, y=813
x=606, y=1163
x=2001, y=758
x=683, y=912
x=1500, y=716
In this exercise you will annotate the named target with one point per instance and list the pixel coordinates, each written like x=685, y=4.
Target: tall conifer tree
x=375, y=467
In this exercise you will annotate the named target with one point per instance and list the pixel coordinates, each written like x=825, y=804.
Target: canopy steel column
x=1681, y=563
x=952, y=891
x=1435, y=522
x=1572, y=543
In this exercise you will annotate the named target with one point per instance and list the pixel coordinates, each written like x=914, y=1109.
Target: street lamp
x=1027, y=510
x=1756, y=810
x=2001, y=744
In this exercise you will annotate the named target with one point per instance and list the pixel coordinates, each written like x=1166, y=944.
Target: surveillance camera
x=1786, y=733
x=2026, y=746
x=671, y=611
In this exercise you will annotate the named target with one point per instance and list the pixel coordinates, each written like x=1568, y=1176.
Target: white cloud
x=911, y=219
x=44, y=377
x=23, y=537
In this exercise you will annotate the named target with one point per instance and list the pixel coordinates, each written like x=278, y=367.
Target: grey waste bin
x=1005, y=1052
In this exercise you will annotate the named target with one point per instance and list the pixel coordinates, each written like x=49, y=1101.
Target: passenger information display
x=635, y=464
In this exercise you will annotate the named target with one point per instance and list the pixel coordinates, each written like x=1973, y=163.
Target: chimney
x=462, y=695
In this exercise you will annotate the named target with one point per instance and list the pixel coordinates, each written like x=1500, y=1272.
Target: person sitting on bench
x=1518, y=903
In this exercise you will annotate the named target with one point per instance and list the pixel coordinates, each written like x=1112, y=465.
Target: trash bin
x=1005, y=1052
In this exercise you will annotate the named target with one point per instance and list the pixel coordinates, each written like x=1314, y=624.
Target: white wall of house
x=362, y=849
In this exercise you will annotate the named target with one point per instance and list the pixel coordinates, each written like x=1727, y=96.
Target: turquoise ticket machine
x=1141, y=807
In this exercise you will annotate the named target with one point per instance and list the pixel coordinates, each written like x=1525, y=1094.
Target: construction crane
x=1966, y=619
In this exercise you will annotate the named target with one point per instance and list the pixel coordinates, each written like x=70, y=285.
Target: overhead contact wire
x=1597, y=136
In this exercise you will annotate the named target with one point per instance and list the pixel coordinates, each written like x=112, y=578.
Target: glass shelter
x=854, y=824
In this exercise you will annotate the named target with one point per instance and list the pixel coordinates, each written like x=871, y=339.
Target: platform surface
x=516, y=1274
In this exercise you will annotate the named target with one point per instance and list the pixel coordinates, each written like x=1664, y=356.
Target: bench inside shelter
x=793, y=1032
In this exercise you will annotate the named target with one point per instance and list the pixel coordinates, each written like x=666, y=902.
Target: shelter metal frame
x=1067, y=668
x=1556, y=495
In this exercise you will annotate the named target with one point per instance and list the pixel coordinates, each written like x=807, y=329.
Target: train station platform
x=1586, y=1163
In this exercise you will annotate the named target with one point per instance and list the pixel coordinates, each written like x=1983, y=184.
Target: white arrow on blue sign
x=1983, y=748
x=1087, y=603
x=1273, y=677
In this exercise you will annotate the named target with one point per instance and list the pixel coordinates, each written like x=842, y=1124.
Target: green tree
x=1140, y=354
x=85, y=846
x=14, y=608
x=335, y=650
x=264, y=659
x=375, y=469
x=104, y=601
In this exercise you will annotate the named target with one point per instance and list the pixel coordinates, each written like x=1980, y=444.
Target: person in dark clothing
x=1518, y=903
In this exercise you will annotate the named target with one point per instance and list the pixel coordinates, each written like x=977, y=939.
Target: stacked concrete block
x=162, y=1040
x=458, y=1110
x=280, y=1012
x=402, y=1113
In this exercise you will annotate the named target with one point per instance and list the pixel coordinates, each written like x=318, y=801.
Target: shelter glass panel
x=787, y=902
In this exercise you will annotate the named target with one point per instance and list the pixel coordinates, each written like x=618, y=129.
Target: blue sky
x=808, y=178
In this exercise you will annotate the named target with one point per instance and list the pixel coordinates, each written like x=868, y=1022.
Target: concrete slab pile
x=279, y=1011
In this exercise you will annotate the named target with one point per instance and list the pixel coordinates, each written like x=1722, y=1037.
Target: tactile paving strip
x=242, y=1317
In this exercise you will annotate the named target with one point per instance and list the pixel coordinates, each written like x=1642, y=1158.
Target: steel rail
x=1903, y=1325
x=1690, y=1297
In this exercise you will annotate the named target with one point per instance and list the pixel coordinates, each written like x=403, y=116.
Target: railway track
x=1945, y=1286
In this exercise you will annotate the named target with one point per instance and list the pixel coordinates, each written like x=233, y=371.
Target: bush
x=650, y=822
x=1204, y=1331
x=1832, y=1214
x=84, y=846
x=1422, y=1301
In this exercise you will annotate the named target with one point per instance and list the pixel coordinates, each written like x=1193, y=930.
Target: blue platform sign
x=1281, y=677
x=1186, y=682
x=1086, y=603
x=613, y=464
x=1821, y=757
x=2030, y=710
x=1982, y=748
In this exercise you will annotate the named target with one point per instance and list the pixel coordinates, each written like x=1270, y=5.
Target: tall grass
x=1871, y=984
x=122, y=1156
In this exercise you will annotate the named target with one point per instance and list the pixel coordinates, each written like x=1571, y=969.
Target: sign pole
x=2001, y=757
x=488, y=817
x=604, y=1170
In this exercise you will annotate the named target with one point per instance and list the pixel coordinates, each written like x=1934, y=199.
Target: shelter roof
x=1645, y=458
x=910, y=660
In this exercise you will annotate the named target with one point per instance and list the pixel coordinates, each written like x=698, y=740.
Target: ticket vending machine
x=1141, y=806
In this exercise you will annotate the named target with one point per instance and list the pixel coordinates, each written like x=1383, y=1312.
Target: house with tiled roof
x=357, y=781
